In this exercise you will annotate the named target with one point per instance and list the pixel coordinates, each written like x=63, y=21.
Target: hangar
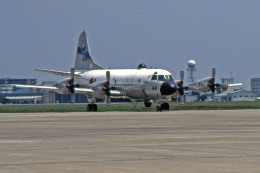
x=239, y=95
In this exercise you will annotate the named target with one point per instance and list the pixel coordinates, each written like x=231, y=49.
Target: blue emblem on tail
x=86, y=55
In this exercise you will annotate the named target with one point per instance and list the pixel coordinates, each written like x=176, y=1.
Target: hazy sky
x=43, y=34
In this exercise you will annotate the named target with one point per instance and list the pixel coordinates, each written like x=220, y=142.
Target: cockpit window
x=161, y=77
x=154, y=77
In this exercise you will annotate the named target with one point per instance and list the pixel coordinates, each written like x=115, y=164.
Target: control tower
x=191, y=71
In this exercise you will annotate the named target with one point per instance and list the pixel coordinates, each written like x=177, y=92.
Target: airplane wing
x=52, y=88
x=61, y=73
x=115, y=93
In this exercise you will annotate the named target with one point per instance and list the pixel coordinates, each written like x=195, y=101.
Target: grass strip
x=127, y=107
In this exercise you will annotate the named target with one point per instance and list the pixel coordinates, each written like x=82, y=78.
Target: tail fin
x=84, y=61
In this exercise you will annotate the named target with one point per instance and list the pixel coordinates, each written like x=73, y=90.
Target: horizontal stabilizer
x=116, y=93
x=235, y=84
x=61, y=73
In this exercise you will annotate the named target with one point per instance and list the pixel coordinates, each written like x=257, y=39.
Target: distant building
x=255, y=86
x=239, y=95
x=24, y=96
x=5, y=88
x=49, y=96
x=227, y=80
x=191, y=98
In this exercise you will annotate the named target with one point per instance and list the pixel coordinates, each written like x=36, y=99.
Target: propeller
x=71, y=85
x=181, y=88
x=107, y=88
x=212, y=85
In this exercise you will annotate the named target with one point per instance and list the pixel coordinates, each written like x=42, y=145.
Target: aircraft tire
x=147, y=104
x=94, y=107
x=89, y=107
x=166, y=107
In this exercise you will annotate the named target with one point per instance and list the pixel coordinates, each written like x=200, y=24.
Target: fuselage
x=137, y=83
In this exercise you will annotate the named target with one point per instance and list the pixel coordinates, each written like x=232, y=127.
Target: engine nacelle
x=224, y=87
x=62, y=86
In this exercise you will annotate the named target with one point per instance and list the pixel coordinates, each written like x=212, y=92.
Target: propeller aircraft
x=209, y=85
x=100, y=84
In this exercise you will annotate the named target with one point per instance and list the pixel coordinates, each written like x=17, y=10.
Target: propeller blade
x=181, y=88
x=182, y=99
x=72, y=74
x=72, y=95
x=108, y=88
x=181, y=76
x=108, y=100
x=213, y=97
x=213, y=73
x=108, y=76
x=72, y=85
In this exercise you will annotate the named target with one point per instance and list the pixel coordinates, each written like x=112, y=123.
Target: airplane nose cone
x=167, y=88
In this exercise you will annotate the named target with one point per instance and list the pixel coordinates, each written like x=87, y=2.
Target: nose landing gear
x=92, y=107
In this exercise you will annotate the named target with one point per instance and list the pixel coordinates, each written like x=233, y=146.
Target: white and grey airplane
x=208, y=84
x=99, y=83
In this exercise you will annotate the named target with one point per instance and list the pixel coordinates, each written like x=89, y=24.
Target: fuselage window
x=161, y=77
x=170, y=76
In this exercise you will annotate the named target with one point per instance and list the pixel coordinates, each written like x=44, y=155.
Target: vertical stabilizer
x=84, y=62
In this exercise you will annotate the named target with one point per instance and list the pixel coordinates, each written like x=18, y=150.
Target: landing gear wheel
x=94, y=107
x=166, y=106
x=162, y=106
x=147, y=104
x=89, y=107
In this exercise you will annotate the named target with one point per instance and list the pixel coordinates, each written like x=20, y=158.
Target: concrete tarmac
x=180, y=141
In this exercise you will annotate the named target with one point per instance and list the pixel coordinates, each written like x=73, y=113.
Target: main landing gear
x=164, y=106
x=92, y=107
